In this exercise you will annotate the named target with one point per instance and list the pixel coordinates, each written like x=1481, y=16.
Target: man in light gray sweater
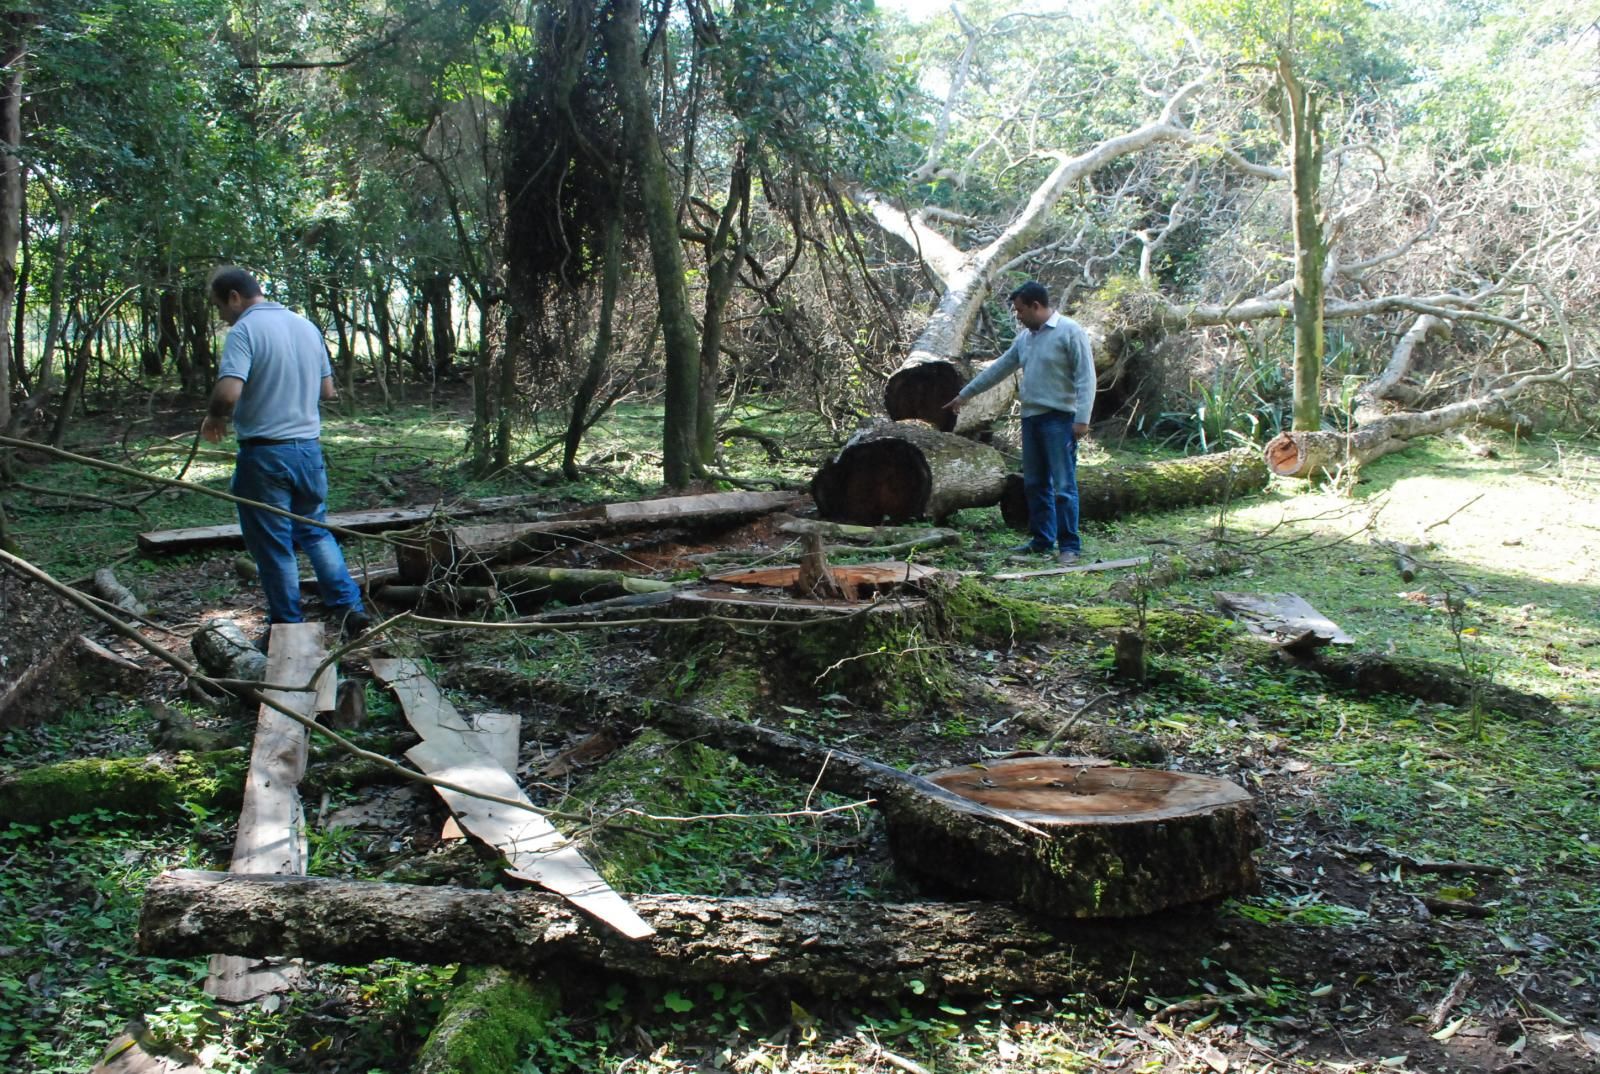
x=1057, y=396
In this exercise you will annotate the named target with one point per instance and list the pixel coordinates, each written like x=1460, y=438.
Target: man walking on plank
x=274, y=371
x=1057, y=396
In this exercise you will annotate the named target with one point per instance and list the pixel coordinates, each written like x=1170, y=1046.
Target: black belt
x=263, y=441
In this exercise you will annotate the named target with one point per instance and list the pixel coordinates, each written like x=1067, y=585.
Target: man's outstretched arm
x=224, y=397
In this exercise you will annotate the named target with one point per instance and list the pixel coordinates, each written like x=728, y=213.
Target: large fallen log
x=855, y=948
x=1108, y=492
x=468, y=553
x=533, y=586
x=897, y=471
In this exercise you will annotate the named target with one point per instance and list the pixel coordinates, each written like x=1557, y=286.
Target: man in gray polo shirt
x=1057, y=395
x=274, y=371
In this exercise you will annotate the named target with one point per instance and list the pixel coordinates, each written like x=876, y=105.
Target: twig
x=88, y=497
x=1456, y=992
x=1454, y=513
x=1071, y=721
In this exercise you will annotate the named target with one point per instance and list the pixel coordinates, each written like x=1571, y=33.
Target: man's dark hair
x=231, y=278
x=1032, y=293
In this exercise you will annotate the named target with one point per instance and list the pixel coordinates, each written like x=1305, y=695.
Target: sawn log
x=856, y=948
x=897, y=471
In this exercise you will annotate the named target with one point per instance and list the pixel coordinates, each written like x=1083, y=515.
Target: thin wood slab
x=1280, y=616
x=271, y=836
x=495, y=735
x=182, y=540
x=879, y=575
x=1077, y=568
x=454, y=751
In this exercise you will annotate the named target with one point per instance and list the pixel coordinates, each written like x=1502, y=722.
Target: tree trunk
x=13, y=59
x=436, y=293
x=1304, y=115
x=723, y=254
x=1107, y=492
x=197, y=330
x=1112, y=842
x=896, y=471
x=579, y=420
x=535, y=586
x=850, y=948
x=680, y=443
x=968, y=276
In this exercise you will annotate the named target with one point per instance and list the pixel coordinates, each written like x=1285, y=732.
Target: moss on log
x=488, y=1023
x=1108, y=492
x=137, y=785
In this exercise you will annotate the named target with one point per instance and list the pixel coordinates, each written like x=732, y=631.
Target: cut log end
x=883, y=480
x=1286, y=456
x=921, y=391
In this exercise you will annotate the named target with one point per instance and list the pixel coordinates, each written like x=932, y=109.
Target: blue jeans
x=1050, y=479
x=291, y=476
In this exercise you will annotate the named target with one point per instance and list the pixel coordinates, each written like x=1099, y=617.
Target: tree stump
x=1111, y=842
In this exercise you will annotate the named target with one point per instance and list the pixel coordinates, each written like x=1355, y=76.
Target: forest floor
x=1353, y=792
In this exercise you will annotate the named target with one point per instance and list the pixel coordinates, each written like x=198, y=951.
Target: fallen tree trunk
x=898, y=471
x=115, y=593
x=1108, y=492
x=224, y=651
x=852, y=948
x=469, y=553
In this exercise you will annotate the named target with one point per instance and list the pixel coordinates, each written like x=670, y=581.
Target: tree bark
x=724, y=253
x=1304, y=122
x=851, y=948
x=535, y=586
x=579, y=420
x=1108, y=492
x=436, y=294
x=680, y=444
x=13, y=59
x=897, y=471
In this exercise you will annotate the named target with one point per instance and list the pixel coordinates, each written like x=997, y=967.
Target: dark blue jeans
x=1050, y=478
x=291, y=476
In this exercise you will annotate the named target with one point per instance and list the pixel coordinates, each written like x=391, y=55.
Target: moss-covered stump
x=140, y=786
x=737, y=651
x=488, y=1023
x=1107, y=842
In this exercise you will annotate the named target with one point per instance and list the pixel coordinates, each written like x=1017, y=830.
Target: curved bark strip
x=1107, y=492
x=1113, y=842
x=1389, y=386
x=852, y=948
x=898, y=471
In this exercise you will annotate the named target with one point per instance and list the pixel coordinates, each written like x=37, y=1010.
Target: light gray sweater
x=1057, y=366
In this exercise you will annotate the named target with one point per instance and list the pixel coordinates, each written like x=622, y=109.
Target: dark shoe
x=1067, y=559
x=1026, y=548
x=352, y=624
x=263, y=640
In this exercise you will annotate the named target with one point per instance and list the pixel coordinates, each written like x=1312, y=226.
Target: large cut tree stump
x=1111, y=842
x=919, y=390
x=1107, y=492
x=897, y=471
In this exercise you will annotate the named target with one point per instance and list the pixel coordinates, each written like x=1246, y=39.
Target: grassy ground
x=1350, y=790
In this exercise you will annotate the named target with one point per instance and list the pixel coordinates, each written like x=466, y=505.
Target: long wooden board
x=536, y=852
x=183, y=540
x=271, y=836
x=1076, y=568
x=495, y=735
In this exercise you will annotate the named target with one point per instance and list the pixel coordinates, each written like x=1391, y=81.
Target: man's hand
x=1080, y=430
x=213, y=429
x=955, y=405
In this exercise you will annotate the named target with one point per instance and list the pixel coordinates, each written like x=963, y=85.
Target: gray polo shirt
x=282, y=358
x=1057, y=366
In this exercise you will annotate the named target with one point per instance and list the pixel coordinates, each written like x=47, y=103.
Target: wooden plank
x=1279, y=616
x=1077, y=568
x=271, y=836
x=183, y=540
x=534, y=849
x=477, y=756
x=704, y=505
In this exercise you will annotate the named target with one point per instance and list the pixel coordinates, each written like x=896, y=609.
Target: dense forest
x=626, y=279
